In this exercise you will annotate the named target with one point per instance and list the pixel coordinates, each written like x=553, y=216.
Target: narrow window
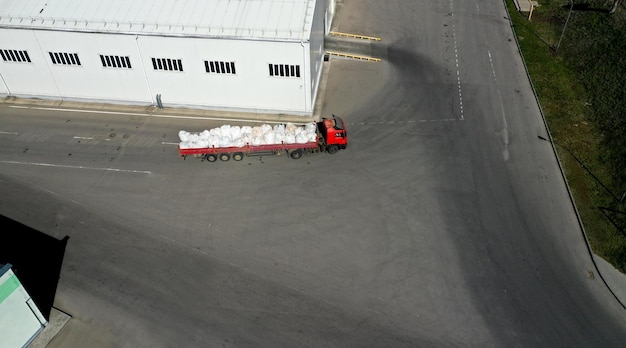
x=281, y=70
x=160, y=64
x=12, y=55
x=221, y=67
x=27, y=57
x=119, y=61
x=180, y=65
x=3, y=56
x=61, y=58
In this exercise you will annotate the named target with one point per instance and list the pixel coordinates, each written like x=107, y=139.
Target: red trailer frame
x=224, y=153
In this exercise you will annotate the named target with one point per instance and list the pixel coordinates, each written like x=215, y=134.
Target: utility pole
x=556, y=51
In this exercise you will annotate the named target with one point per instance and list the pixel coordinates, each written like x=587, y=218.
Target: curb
x=57, y=322
x=592, y=256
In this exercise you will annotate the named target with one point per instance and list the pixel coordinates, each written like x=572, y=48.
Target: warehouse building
x=241, y=55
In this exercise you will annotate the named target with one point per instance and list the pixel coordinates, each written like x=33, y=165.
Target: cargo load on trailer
x=226, y=142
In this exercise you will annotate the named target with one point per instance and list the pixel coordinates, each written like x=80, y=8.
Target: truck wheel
x=295, y=154
x=225, y=157
x=333, y=149
x=211, y=158
x=238, y=156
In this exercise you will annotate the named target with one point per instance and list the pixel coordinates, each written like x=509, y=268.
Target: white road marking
x=398, y=122
x=85, y=138
x=144, y=115
x=504, y=133
x=79, y=167
x=10, y=133
x=456, y=58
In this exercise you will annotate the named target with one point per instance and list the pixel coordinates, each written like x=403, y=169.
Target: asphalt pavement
x=615, y=281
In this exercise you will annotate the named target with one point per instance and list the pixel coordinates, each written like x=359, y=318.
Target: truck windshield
x=338, y=122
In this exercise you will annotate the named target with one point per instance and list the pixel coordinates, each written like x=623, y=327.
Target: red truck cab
x=334, y=134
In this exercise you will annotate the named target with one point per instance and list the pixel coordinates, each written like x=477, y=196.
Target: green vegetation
x=580, y=80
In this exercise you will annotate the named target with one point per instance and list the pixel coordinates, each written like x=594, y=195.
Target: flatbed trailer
x=211, y=154
x=331, y=137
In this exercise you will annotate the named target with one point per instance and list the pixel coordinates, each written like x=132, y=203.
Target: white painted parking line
x=79, y=167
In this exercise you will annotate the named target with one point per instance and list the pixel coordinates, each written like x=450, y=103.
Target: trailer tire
x=296, y=154
x=224, y=156
x=332, y=149
x=238, y=156
x=211, y=157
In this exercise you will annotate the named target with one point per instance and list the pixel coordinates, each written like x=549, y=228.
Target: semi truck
x=330, y=135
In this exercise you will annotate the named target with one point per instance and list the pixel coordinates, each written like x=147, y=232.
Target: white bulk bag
x=238, y=142
x=214, y=141
x=257, y=131
x=258, y=140
x=235, y=132
x=290, y=138
x=183, y=135
x=291, y=128
x=266, y=128
x=246, y=130
x=279, y=138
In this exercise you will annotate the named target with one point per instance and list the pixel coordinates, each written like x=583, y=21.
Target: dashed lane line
x=401, y=122
x=117, y=170
x=456, y=58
